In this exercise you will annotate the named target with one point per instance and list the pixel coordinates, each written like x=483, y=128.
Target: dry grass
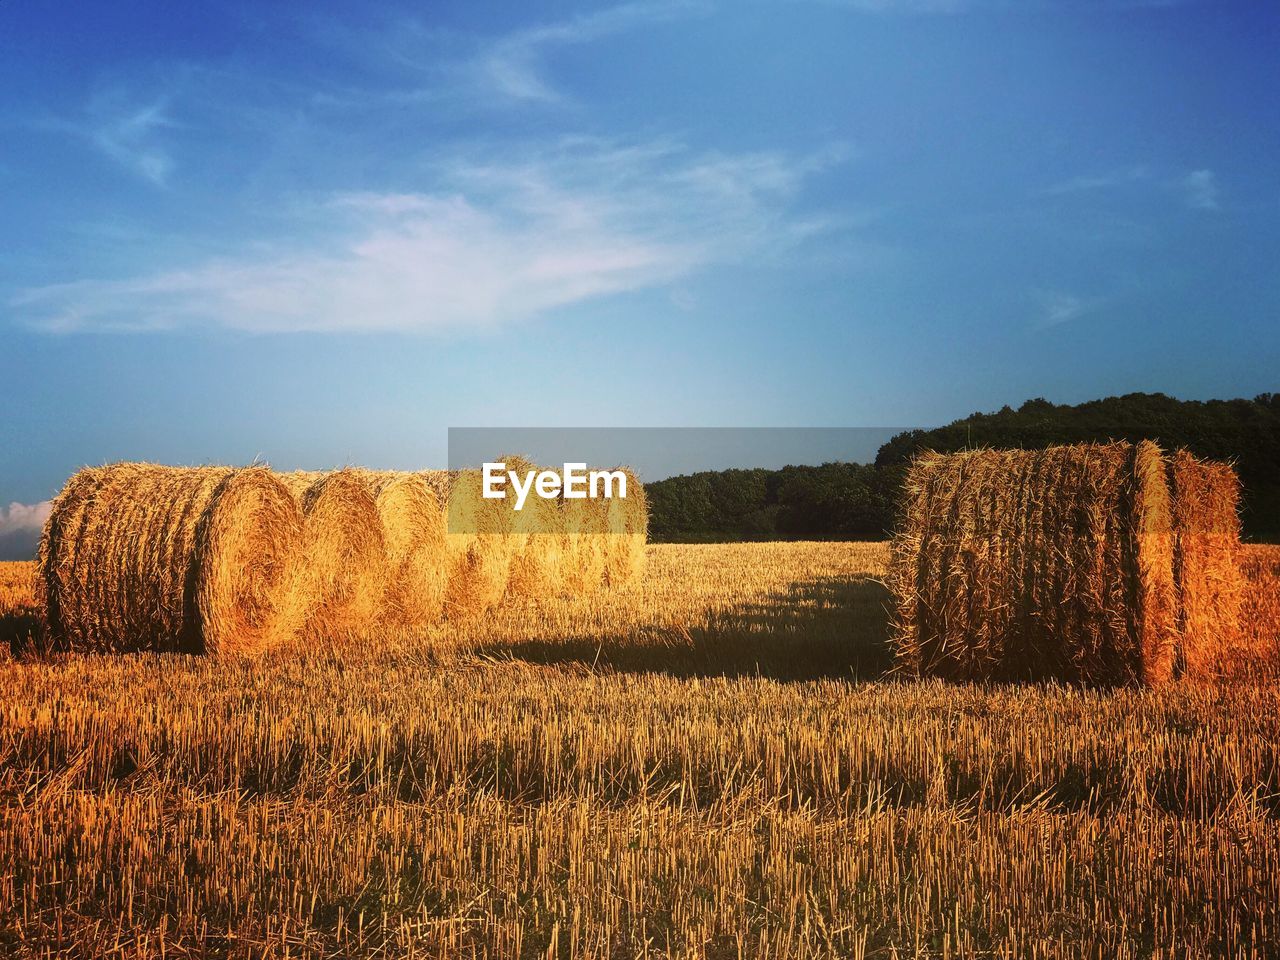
x=1257, y=649
x=693, y=766
x=21, y=621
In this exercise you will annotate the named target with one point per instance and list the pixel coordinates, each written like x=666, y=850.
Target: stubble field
x=713, y=763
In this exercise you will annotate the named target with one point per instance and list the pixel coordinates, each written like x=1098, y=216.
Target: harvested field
x=1257, y=650
x=21, y=617
x=706, y=764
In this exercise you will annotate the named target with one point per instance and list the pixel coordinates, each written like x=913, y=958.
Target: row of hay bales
x=236, y=560
x=1092, y=563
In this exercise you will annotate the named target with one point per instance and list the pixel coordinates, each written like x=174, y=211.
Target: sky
x=324, y=233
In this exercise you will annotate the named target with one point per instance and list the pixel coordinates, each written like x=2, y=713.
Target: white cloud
x=20, y=526
x=22, y=517
x=1200, y=190
x=496, y=240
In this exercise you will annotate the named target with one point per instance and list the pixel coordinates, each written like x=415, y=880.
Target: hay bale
x=1257, y=652
x=414, y=529
x=1151, y=565
x=537, y=547
x=627, y=528
x=1206, y=525
x=339, y=582
x=58, y=583
x=477, y=546
x=1057, y=563
x=144, y=557
x=583, y=545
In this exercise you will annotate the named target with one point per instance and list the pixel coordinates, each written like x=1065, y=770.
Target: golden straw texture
x=1206, y=498
x=584, y=545
x=414, y=529
x=627, y=523
x=145, y=557
x=478, y=545
x=340, y=577
x=1057, y=563
x=537, y=561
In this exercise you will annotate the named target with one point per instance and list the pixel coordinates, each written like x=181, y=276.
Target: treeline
x=858, y=501
x=836, y=501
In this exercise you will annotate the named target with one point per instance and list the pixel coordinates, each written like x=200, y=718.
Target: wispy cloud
x=515, y=68
x=20, y=526
x=495, y=240
x=960, y=6
x=1056, y=307
x=513, y=65
x=127, y=131
x=906, y=6
x=130, y=141
x=1200, y=190
x=1104, y=181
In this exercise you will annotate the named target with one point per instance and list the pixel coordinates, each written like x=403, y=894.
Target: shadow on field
x=826, y=628
x=21, y=631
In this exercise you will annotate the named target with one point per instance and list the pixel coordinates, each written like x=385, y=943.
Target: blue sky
x=323, y=233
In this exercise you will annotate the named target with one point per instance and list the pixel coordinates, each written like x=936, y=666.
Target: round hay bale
x=145, y=557
x=584, y=544
x=537, y=545
x=340, y=580
x=477, y=544
x=59, y=585
x=1150, y=564
x=1036, y=564
x=1210, y=585
x=413, y=528
x=627, y=526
